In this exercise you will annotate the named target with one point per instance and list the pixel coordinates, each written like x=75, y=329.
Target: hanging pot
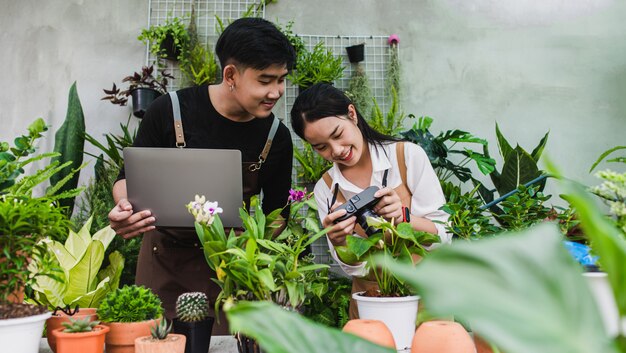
x=356, y=53
x=142, y=97
x=171, y=50
x=398, y=313
x=198, y=334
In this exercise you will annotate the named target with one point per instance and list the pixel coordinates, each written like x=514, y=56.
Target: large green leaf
x=69, y=140
x=279, y=331
x=536, y=153
x=82, y=278
x=523, y=292
x=503, y=145
x=608, y=242
x=519, y=168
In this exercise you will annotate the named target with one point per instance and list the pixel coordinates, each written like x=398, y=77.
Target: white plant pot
x=398, y=313
x=22, y=335
x=601, y=289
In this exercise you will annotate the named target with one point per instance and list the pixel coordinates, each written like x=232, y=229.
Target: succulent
x=161, y=329
x=192, y=307
x=79, y=325
x=130, y=304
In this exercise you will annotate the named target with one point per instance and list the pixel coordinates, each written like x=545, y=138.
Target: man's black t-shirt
x=204, y=127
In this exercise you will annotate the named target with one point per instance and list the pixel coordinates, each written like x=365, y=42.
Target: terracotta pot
x=55, y=321
x=482, y=346
x=372, y=330
x=442, y=337
x=121, y=338
x=173, y=343
x=80, y=342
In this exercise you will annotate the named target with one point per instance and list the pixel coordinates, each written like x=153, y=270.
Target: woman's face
x=337, y=138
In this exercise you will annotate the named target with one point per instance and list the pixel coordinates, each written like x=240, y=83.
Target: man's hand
x=129, y=224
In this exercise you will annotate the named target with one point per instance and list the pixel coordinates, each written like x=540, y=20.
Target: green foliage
x=399, y=242
x=160, y=330
x=83, y=281
x=115, y=145
x=277, y=330
x=143, y=79
x=605, y=154
x=441, y=148
x=130, y=304
x=79, y=325
x=69, y=142
x=393, y=70
x=359, y=91
x=192, y=307
x=296, y=41
x=331, y=309
x=523, y=209
x=319, y=65
x=197, y=62
x=467, y=219
x=12, y=161
x=311, y=166
x=390, y=124
x=155, y=36
x=519, y=166
x=256, y=265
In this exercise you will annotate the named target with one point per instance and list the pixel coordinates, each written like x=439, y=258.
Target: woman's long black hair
x=323, y=100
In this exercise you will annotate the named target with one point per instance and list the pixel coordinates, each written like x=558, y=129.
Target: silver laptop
x=165, y=180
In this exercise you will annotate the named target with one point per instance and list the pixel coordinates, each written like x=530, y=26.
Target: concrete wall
x=531, y=66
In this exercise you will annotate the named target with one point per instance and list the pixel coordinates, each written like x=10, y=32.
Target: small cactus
x=160, y=330
x=192, y=307
x=79, y=325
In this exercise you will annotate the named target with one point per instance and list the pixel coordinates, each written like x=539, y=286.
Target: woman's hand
x=390, y=205
x=338, y=232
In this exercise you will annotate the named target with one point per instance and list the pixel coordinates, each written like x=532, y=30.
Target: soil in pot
x=56, y=321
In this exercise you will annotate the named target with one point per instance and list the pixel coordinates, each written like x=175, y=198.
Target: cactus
x=160, y=330
x=192, y=307
x=79, y=325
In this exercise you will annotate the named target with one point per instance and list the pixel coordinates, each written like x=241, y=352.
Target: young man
x=235, y=114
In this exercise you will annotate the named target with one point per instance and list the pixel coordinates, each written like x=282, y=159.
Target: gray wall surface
x=531, y=66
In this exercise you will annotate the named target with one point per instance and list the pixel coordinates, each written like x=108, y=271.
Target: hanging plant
x=393, y=70
x=359, y=91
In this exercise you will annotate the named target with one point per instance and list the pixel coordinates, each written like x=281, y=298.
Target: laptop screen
x=165, y=180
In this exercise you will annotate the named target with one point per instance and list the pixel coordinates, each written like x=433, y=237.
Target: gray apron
x=171, y=261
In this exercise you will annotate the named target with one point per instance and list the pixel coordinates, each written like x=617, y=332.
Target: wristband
x=406, y=214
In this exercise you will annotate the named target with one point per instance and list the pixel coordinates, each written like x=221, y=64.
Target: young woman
x=362, y=157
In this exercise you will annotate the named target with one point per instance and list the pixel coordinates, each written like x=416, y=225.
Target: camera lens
x=362, y=220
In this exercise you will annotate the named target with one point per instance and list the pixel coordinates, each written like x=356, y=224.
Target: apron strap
x=266, y=149
x=178, y=123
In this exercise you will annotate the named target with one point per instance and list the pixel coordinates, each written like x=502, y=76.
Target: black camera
x=360, y=205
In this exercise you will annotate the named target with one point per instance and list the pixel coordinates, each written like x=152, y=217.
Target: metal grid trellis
x=377, y=58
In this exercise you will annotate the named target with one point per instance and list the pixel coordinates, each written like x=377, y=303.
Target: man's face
x=257, y=91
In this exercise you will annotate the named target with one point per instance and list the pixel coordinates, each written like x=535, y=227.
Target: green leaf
x=536, y=153
x=523, y=292
x=519, y=168
x=280, y=331
x=503, y=145
x=82, y=277
x=603, y=155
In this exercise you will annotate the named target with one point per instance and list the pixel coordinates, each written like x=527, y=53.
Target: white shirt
x=422, y=182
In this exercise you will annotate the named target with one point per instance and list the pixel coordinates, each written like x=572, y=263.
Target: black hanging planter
x=198, y=334
x=142, y=98
x=169, y=47
x=356, y=53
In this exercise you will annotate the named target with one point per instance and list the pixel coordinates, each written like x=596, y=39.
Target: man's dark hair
x=256, y=43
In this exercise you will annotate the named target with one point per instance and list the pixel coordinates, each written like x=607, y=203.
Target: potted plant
x=143, y=88
x=168, y=40
x=359, y=90
x=257, y=264
x=197, y=62
x=193, y=321
x=161, y=340
x=356, y=53
x=311, y=166
x=80, y=336
x=129, y=312
x=392, y=301
x=318, y=65
x=82, y=282
x=24, y=220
